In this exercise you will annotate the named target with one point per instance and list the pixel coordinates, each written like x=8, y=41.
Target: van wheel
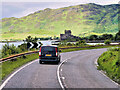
x=40, y=62
x=57, y=62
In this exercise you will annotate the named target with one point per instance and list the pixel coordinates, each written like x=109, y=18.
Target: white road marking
x=58, y=75
x=109, y=78
x=58, y=72
x=61, y=70
x=6, y=81
x=63, y=77
x=96, y=64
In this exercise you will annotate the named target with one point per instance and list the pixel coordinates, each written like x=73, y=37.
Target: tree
x=106, y=36
x=117, y=36
x=34, y=40
x=28, y=39
x=93, y=37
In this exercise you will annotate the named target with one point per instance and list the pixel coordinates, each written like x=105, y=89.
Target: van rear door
x=48, y=51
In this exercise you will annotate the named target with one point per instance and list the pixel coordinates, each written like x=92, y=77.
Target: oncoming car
x=49, y=54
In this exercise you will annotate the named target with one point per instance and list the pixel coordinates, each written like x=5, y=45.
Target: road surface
x=78, y=71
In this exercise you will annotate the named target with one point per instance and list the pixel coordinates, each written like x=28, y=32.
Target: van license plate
x=48, y=55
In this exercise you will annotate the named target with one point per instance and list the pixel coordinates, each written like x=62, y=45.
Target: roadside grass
x=109, y=62
x=9, y=66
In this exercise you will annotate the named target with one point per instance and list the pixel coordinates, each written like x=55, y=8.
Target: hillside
x=81, y=19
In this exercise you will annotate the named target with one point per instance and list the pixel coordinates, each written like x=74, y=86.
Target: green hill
x=81, y=19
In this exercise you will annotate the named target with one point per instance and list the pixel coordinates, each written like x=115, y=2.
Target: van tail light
x=40, y=52
x=56, y=52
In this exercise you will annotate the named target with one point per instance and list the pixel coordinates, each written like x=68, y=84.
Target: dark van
x=49, y=54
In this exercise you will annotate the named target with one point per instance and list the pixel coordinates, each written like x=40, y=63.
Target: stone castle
x=67, y=35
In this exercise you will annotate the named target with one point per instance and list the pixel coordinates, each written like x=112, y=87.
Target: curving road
x=78, y=71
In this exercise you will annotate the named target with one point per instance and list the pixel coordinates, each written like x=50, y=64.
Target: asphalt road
x=78, y=72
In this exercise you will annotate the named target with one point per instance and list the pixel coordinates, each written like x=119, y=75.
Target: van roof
x=49, y=45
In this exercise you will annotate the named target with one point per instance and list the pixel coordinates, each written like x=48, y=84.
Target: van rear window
x=44, y=49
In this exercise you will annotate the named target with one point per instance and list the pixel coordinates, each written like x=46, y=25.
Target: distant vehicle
x=49, y=54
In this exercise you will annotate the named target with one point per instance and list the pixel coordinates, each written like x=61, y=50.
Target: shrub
x=77, y=44
x=11, y=49
x=107, y=42
x=23, y=47
x=69, y=44
x=81, y=42
x=8, y=50
x=63, y=43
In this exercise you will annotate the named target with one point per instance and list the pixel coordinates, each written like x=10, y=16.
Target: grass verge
x=109, y=62
x=10, y=66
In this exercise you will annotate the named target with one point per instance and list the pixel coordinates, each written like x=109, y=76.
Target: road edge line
x=58, y=75
x=6, y=81
x=96, y=64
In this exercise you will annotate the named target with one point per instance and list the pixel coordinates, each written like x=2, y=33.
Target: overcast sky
x=20, y=8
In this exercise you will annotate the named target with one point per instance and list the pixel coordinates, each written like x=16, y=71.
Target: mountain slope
x=81, y=19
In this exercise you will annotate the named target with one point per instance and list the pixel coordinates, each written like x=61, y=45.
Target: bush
x=23, y=47
x=11, y=49
x=107, y=42
x=63, y=43
x=81, y=42
x=77, y=44
x=69, y=44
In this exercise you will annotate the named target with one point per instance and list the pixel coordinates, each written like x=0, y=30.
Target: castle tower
x=68, y=32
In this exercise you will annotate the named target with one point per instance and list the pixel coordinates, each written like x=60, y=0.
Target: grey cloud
x=19, y=9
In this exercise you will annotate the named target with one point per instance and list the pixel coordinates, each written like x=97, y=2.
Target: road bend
x=81, y=72
x=78, y=71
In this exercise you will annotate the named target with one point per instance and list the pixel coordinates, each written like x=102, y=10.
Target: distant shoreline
x=9, y=41
x=87, y=41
